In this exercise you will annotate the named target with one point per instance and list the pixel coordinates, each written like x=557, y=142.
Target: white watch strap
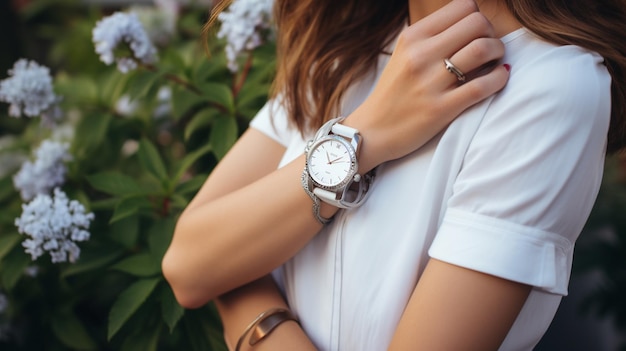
x=344, y=131
x=352, y=197
x=328, y=197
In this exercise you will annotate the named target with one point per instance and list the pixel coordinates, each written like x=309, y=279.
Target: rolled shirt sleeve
x=531, y=173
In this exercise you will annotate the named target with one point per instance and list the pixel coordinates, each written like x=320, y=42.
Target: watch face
x=331, y=162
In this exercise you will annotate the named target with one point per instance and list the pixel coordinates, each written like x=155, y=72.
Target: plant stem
x=238, y=84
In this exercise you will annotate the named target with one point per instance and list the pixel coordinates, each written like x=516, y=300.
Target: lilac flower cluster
x=29, y=92
x=54, y=224
x=45, y=172
x=158, y=21
x=123, y=28
x=243, y=25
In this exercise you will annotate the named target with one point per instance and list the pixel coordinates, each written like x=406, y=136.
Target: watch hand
x=328, y=158
x=335, y=160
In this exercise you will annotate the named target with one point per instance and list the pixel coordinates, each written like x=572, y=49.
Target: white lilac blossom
x=159, y=22
x=45, y=172
x=123, y=29
x=164, y=102
x=28, y=90
x=54, y=224
x=243, y=25
x=125, y=106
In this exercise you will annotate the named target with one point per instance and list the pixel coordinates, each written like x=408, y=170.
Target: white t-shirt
x=505, y=190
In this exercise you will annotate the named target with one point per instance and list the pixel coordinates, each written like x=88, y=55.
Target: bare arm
x=248, y=219
x=454, y=308
x=229, y=198
x=240, y=306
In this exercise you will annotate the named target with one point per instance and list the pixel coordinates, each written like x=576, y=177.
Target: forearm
x=240, y=236
x=240, y=306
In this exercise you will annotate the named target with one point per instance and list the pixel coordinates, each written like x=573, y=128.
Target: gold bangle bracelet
x=264, y=324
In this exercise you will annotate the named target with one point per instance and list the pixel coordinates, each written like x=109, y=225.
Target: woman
x=474, y=192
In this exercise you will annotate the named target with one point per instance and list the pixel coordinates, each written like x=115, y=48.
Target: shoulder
x=567, y=79
x=560, y=89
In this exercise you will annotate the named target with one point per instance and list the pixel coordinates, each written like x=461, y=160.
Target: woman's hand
x=416, y=97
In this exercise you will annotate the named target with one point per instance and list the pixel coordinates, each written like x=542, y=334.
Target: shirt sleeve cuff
x=504, y=249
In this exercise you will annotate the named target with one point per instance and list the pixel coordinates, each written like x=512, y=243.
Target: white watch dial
x=330, y=163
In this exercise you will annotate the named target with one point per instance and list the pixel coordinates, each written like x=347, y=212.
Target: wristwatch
x=331, y=171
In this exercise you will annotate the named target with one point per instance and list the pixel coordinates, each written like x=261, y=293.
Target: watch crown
x=357, y=177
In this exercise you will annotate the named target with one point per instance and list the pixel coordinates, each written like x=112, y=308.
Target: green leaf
x=143, y=83
x=8, y=242
x=151, y=160
x=203, y=330
x=145, y=339
x=78, y=89
x=128, y=207
x=128, y=302
x=251, y=93
x=209, y=68
x=71, y=331
x=183, y=101
x=6, y=188
x=106, y=204
x=192, y=185
x=170, y=308
x=200, y=120
x=223, y=135
x=90, y=261
x=125, y=208
x=188, y=161
x=178, y=202
x=196, y=333
x=159, y=237
x=114, y=183
x=220, y=94
x=13, y=267
x=90, y=134
x=113, y=84
x=140, y=265
x=125, y=231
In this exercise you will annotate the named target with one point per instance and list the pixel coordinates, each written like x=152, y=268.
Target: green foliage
x=602, y=248
x=135, y=170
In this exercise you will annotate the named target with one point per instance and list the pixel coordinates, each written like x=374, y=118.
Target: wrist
x=331, y=173
x=372, y=148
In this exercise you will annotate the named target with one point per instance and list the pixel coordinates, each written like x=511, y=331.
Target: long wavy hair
x=324, y=46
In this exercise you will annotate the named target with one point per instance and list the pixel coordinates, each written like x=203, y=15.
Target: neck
x=495, y=10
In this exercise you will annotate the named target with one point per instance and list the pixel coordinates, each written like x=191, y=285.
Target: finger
x=443, y=18
x=478, y=89
x=463, y=32
x=476, y=59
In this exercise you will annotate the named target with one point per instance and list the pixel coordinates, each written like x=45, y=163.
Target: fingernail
x=507, y=67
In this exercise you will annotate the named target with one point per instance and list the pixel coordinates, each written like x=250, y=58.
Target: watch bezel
x=353, y=169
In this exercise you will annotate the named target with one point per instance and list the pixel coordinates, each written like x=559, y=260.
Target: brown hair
x=326, y=45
